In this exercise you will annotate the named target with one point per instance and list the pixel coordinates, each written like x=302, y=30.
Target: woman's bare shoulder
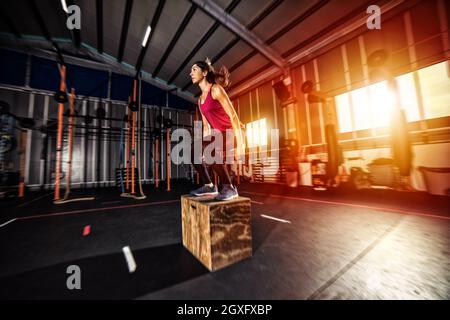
x=217, y=91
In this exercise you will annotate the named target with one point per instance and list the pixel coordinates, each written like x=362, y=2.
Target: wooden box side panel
x=196, y=230
x=231, y=233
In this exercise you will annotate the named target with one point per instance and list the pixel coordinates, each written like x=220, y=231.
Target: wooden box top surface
x=209, y=200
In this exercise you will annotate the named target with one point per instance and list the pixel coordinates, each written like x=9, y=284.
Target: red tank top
x=215, y=114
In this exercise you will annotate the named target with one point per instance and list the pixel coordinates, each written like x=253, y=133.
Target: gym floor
x=367, y=244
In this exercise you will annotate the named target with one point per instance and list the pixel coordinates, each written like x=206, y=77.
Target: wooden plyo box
x=218, y=233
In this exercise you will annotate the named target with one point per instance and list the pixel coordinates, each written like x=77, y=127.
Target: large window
x=344, y=112
x=369, y=107
x=372, y=106
x=435, y=88
x=360, y=103
x=257, y=133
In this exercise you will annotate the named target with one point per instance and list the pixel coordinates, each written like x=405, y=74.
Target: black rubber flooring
x=371, y=244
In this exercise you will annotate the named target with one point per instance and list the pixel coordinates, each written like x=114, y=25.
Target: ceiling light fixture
x=147, y=34
x=64, y=5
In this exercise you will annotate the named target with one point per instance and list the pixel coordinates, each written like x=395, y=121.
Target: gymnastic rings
x=60, y=96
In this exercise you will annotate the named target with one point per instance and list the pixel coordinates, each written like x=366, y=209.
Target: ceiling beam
x=124, y=33
x=275, y=4
x=252, y=75
x=334, y=36
x=131, y=71
x=40, y=20
x=250, y=26
x=309, y=46
x=228, y=21
x=302, y=17
x=305, y=15
x=202, y=41
x=174, y=40
x=99, y=14
x=44, y=30
x=308, y=41
x=153, y=25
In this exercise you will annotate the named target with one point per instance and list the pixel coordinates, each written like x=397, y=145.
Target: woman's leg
x=200, y=166
x=207, y=188
x=228, y=191
x=203, y=173
x=221, y=169
x=222, y=172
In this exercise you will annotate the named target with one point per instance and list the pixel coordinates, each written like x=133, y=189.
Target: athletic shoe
x=205, y=191
x=228, y=192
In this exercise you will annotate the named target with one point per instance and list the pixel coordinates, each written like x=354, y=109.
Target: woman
x=217, y=112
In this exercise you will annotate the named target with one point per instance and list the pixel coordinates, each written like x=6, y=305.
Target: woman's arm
x=205, y=125
x=218, y=93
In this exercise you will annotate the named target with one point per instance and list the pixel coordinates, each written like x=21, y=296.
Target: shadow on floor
x=107, y=277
